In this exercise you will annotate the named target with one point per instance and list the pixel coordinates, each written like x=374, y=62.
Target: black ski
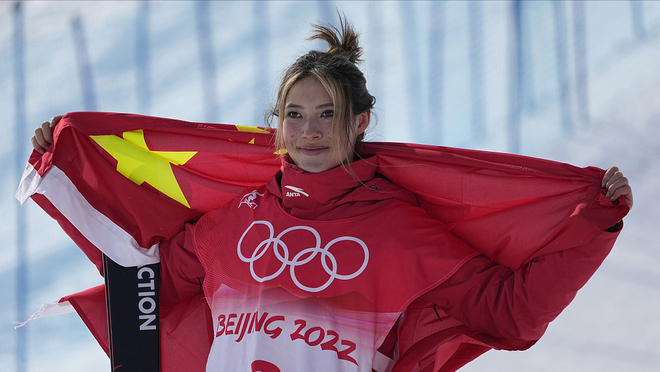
x=131, y=295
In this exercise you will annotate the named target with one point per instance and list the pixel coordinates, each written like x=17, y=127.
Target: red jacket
x=474, y=305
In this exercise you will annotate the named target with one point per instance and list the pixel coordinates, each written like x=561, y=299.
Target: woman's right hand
x=43, y=135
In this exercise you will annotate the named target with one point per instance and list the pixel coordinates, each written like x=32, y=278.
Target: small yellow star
x=248, y=128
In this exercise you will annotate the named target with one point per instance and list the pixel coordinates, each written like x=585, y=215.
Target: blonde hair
x=336, y=69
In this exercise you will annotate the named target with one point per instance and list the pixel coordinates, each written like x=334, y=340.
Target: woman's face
x=307, y=128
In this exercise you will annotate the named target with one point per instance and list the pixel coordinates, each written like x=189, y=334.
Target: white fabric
x=382, y=363
x=111, y=239
x=290, y=335
x=54, y=308
x=29, y=183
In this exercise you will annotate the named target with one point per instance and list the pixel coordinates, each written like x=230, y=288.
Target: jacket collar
x=310, y=195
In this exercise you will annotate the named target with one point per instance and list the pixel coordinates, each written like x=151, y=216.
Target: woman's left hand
x=617, y=185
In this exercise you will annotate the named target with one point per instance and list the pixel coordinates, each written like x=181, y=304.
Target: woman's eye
x=328, y=114
x=292, y=114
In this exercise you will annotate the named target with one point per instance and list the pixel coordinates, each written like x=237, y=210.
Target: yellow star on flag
x=248, y=128
x=139, y=164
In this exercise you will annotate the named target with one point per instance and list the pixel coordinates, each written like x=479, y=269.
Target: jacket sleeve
x=181, y=273
x=502, y=303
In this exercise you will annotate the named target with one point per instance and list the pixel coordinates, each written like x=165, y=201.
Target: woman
x=312, y=271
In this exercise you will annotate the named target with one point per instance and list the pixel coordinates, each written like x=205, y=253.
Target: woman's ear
x=363, y=122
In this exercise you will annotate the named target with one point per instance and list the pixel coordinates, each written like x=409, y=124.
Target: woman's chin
x=316, y=166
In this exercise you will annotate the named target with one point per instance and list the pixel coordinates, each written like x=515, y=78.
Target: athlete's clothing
x=295, y=274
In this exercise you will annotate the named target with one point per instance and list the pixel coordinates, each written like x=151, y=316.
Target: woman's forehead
x=308, y=93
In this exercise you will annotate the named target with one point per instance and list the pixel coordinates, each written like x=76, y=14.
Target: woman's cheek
x=288, y=134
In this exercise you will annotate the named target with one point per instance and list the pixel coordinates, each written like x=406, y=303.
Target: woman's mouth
x=312, y=150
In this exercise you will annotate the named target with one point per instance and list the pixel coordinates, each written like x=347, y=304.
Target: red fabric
x=399, y=241
x=486, y=305
x=510, y=208
x=90, y=305
x=335, y=195
x=519, y=205
x=431, y=252
x=519, y=304
x=513, y=202
x=94, y=255
x=185, y=328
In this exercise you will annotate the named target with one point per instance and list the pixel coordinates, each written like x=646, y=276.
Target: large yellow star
x=139, y=164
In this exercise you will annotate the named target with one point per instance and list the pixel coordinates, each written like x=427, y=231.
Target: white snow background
x=612, y=325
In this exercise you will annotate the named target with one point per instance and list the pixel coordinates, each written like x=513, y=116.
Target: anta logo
x=295, y=192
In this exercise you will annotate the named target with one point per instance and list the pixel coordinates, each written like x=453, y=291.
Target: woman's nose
x=312, y=129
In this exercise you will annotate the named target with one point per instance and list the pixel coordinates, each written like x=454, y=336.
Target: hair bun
x=342, y=41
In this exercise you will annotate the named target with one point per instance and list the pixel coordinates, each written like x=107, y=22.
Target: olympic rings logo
x=281, y=251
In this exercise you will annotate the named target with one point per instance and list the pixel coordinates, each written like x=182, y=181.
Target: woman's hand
x=43, y=135
x=617, y=185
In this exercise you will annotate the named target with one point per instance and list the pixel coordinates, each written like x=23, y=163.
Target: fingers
x=36, y=145
x=617, y=185
x=608, y=175
x=43, y=136
x=47, y=132
x=623, y=191
x=55, y=120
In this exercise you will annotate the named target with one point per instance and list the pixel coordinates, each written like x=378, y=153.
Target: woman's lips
x=312, y=151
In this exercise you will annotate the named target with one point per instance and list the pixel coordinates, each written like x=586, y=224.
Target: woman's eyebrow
x=295, y=105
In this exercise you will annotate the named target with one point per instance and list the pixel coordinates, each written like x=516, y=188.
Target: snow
x=611, y=325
